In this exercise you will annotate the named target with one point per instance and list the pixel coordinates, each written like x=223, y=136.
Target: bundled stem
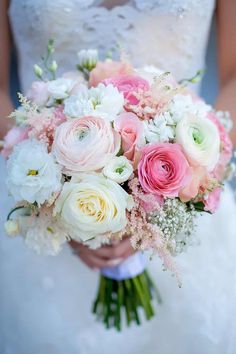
x=125, y=298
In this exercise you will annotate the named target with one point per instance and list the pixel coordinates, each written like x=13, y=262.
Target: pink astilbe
x=44, y=123
x=144, y=235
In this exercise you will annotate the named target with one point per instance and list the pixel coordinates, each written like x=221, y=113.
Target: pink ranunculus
x=14, y=136
x=85, y=144
x=38, y=93
x=191, y=190
x=131, y=131
x=107, y=69
x=163, y=169
x=213, y=200
x=129, y=85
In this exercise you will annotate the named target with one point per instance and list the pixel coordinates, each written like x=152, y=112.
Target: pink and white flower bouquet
x=112, y=151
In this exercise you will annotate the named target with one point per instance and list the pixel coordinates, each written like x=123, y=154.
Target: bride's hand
x=105, y=256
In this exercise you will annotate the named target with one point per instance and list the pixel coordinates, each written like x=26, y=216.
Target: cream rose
x=200, y=140
x=86, y=144
x=91, y=206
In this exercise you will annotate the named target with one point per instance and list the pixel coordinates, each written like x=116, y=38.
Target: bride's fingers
x=115, y=251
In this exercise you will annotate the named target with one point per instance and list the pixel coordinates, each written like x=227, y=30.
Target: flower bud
x=38, y=71
x=12, y=227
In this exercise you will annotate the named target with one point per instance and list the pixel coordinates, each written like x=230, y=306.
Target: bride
x=45, y=302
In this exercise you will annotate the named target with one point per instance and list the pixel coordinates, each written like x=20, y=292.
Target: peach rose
x=131, y=131
x=85, y=144
x=109, y=68
x=199, y=178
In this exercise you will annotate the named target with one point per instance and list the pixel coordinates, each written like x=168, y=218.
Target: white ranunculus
x=159, y=129
x=91, y=205
x=119, y=169
x=60, y=88
x=12, y=227
x=183, y=105
x=200, y=140
x=103, y=101
x=33, y=174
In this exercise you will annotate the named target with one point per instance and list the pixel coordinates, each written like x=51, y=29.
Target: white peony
x=45, y=234
x=159, y=129
x=91, y=206
x=103, y=101
x=119, y=169
x=200, y=140
x=183, y=105
x=60, y=88
x=33, y=174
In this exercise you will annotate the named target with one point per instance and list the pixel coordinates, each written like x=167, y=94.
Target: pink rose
x=213, y=200
x=163, y=169
x=107, y=69
x=129, y=85
x=131, y=131
x=191, y=190
x=85, y=144
x=39, y=93
x=13, y=137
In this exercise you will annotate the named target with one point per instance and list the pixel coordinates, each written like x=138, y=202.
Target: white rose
x=119, y=169
x=103, y=101
x=91, y=206
x=200, y=140
x=33, y=174
x=60, y=88
x=12, y=227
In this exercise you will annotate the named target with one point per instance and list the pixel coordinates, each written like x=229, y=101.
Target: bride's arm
x=226, y=28
x=5, y=101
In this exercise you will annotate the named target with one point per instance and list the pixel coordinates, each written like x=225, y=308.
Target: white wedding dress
x=45, y=301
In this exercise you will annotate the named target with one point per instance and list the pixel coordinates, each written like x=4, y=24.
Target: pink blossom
x=38, y=93
x=107, y=69
x=129, y=85
x=163, y=169
x=213, y=200
x=131, y=131
x=85, y=144
x=42, y=125
x=14, y=136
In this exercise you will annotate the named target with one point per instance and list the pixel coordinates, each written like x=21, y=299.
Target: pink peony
x=107, y=69
x=163, y=169
x=85, y=144
x=131, y=131
x=129, y=85
x=213, y=200
x=191, y=190
x=38, y=93
x=13, y=137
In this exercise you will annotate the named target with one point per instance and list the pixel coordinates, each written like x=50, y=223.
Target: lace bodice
x=170, y=34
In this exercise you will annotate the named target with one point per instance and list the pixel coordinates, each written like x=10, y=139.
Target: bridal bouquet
x=112, y=151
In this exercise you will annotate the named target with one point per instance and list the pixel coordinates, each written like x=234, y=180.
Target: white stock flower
x=12, y=227
x=88, y=58
x=119, y=169
x=45, y=234
x=33, y=174
x=159, y=129
x=60, y=88
x=92, y=205
x=200, y=140
x=103, y=101
x=183, y=105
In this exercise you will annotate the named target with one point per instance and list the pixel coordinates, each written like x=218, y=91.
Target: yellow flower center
x=32, y=173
